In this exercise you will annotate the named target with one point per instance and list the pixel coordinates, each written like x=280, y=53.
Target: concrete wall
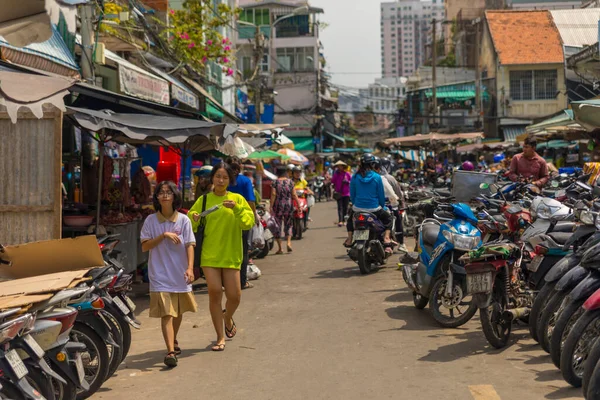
x=530, y=108
x=295, y=91
x=470, y=7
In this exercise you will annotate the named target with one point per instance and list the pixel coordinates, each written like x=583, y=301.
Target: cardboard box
x=51, y=256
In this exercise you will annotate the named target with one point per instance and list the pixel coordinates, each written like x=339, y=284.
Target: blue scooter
x=433, y=275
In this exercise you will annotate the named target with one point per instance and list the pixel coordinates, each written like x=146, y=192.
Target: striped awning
x=415, y=155
x=511, y=132
x=53, y=55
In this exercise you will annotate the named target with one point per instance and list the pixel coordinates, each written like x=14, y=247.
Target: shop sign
x=182, y=95
x=144, y=86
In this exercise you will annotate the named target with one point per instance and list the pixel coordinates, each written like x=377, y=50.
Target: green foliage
x=193, y=33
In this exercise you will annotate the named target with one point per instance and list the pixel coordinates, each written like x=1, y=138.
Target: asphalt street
x=314, y=328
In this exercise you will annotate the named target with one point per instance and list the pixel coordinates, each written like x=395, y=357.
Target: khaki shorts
x=163, y=304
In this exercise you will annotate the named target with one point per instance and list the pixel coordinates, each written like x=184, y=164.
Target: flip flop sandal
x=230, y=333
x=348, y=246
x=218, y=347
x=177, y=349
x=171, y=360
x=279, y=252
x=289, y=249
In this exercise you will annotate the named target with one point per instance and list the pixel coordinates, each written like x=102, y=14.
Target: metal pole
x=433, y=71
x=100, y=178
x=317, y=88
x=87, y=67
x=257, y=57
x=478, y=96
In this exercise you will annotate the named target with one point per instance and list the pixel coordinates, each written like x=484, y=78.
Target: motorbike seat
x=548, y=193
x=443, y=192
x=98, y=272
x=560, y=237
x=430, y=234
x=564, y=226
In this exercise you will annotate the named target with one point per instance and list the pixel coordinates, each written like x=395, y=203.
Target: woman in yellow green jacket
x=222, y=251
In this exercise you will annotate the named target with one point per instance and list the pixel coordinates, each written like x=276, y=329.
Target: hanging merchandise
x=234, y=147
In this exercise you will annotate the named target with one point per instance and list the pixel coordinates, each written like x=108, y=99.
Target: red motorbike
x=300, y=209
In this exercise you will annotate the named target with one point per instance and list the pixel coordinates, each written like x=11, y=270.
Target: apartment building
x=386, y=95
x=406, y=29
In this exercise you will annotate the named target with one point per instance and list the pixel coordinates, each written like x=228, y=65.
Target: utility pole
x=317, y=97
x=258, y=54
x=478, y=103
x=87, y=32
x=433, y=71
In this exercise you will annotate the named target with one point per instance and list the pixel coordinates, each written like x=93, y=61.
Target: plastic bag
x=252, y=272
x=257, y=234
x=310, y=201
x=273, y=226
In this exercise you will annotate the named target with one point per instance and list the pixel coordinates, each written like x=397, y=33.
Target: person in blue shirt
x=243, y=186
x=367, y=195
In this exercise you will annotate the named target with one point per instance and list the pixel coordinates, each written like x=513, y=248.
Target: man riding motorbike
x=382, y=167
x=529, y=165
x=367, y=195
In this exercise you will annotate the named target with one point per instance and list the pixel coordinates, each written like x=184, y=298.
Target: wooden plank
x=58, y=118
x=26, y=208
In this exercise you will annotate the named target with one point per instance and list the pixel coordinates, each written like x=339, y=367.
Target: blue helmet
x=327, y=163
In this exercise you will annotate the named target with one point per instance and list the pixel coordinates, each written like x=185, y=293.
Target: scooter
x=318, y=186
x=436, y=278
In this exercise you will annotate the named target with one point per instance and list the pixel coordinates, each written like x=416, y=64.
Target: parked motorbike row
x=518, y=257
x=68, y=345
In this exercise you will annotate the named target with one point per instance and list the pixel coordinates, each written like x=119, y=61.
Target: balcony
x=248, y=32
x=291, y=31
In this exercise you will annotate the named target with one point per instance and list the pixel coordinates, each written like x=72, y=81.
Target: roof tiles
x=525, y=37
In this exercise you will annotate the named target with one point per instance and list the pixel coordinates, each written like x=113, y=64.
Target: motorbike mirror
x=484, y=186
x=554, y=184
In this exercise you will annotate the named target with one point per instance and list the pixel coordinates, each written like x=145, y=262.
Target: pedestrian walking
x=222, y=248
x=243, y=186
x=341, y=186
x=283, y=197
x=167, y=235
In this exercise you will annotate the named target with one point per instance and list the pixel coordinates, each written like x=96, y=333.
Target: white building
x=386, y=95
x=406, y=27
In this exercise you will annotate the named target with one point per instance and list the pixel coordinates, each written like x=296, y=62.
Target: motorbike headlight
x=462, y=242
x=543, y=211
x=587, y=218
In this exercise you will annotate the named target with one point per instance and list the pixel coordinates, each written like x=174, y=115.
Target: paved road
x=314, y=328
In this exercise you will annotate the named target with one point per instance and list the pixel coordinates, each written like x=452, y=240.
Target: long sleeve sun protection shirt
x=366, y=192
x=222, y=245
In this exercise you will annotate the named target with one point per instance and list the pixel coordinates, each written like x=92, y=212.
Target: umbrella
x=267, y=155
x=295, y=157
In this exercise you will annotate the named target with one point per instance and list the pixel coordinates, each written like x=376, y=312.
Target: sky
x=351, y=41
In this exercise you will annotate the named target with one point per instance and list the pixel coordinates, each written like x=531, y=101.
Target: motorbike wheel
x=564, y=324
x=420, y=301
x=590, y=363
x=96, y=359
x=464, y=309
x=548, y=319
x=577, y=347
x=264, y=252
x=364, y=262
x=495, y=327
x=10, y=390
x=41, y=382
x=538, y=307
x=410, y=223
x=64, y=392
x=115, y=353
x=125, y=332
x=593, y=391
x=298, y=228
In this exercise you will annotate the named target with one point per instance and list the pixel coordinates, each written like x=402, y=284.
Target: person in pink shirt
x=341, y=185
x=529, y=165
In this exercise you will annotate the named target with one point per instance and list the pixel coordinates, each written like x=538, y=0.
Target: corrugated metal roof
x=53, y=49
x=577, y=27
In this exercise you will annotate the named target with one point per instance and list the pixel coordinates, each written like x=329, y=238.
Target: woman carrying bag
x=341, y=185
x=226, y=215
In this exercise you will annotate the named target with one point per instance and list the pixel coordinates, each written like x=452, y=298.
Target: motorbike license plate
x=360, y=235
x=122, y=306
x=16, y=363
x=535, y=263
x=129, y=302
x=79, y=367
x=33, y=345
x=479, y=283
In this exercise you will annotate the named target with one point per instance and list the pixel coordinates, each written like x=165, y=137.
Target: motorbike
x=318, y=187
x=367, y=248
x=299, y=215
x=264, y=216
x=499, y=288
x=433, y=275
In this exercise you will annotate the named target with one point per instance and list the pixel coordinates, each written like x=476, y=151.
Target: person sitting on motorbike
x=382, y=167
x=301, y=184
x=529, y=165
x=367, y=195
